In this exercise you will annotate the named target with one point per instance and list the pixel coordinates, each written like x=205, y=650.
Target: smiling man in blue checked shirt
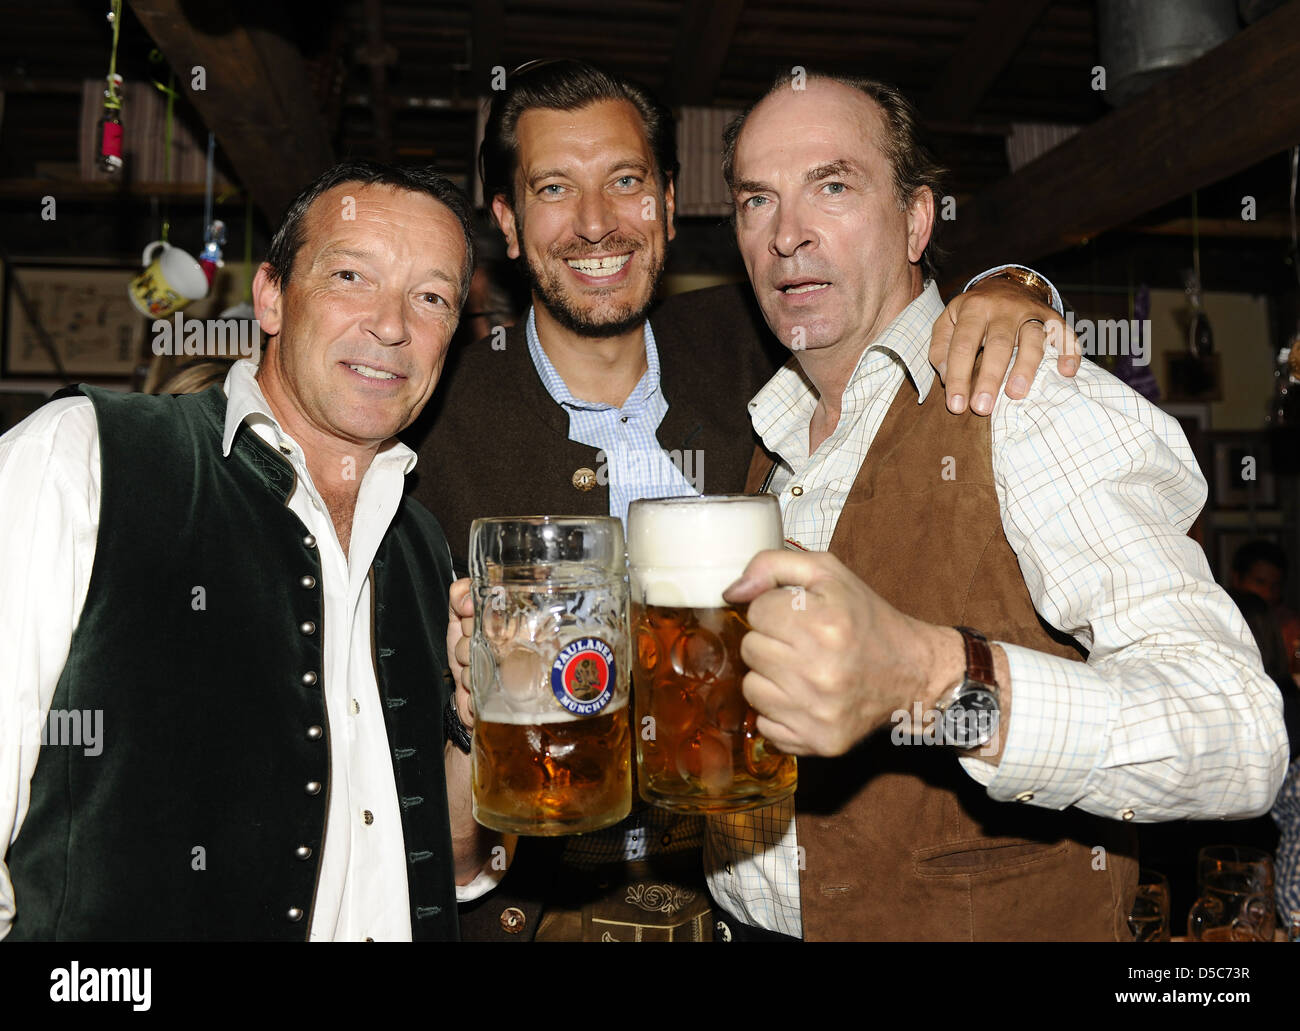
x=600, y=398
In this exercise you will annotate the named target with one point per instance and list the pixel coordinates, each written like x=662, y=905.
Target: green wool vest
x=201, y=643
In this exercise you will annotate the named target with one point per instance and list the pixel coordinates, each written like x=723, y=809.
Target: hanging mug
x=171, y=279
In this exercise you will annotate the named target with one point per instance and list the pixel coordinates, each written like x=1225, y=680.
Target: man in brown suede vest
x=1056, y=530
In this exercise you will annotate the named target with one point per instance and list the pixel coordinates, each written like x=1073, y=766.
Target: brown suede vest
x=899, y=842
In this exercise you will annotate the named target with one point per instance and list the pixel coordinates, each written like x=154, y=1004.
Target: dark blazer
x=492, y=442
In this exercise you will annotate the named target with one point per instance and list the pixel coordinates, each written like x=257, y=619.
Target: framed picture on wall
x=70, y=321
x=1242, y=470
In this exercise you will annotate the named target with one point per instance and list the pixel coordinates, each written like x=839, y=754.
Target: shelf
x=89, y=190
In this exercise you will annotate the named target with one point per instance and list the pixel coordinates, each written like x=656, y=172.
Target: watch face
x=972, y=720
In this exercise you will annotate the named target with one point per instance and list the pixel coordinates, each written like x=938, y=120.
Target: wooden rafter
x=703, y=42
x=987, y=49
x=257, y=98
x=1234, y=106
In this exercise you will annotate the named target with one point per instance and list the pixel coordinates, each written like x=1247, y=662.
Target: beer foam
x=683, y=553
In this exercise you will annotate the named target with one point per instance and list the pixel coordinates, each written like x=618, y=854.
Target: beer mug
x=549, y=673
x=170, y=280
x=1236, y=903
x=698, y=746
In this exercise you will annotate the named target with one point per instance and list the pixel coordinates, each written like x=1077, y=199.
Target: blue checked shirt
x=630, y=459
x=634, y=465
x=1172, y=716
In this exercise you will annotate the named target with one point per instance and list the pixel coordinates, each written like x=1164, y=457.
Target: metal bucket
x=1141, y=41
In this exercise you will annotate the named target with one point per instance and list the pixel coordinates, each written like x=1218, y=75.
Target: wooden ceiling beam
x=988, y=48
x=703, y=42
x=1231, y=108
x=1275, y=228
x=257, y=98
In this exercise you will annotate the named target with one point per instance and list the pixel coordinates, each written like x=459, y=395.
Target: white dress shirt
x=1172, y=716
x=49, y=515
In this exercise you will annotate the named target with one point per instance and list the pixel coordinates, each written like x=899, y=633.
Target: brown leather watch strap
x=979, y=656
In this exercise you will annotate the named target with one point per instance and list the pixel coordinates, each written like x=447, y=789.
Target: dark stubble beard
x=549, y=291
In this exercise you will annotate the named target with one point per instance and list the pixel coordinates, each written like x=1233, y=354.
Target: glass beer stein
x=549, y=673
x=698, y=746
x=1149, y=920
x=1236, y=896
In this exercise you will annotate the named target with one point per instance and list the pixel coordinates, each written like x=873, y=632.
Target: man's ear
x=670, y=207
x=268, y=300
x=505, y=219
x=920, y=223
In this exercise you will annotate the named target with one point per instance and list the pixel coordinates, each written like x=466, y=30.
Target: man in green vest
x=221, y=702
x=948, y=581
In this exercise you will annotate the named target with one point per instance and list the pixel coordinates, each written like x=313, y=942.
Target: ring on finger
x=1026, y=323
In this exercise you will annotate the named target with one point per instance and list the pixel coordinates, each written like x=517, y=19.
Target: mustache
x=617, y=244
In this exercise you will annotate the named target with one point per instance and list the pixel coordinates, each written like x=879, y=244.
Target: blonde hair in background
x=194, y=378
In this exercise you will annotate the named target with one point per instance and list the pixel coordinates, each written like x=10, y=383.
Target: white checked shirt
x=49, y=521
x=1171, y=717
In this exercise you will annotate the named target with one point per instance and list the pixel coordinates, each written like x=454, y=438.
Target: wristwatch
x=1029, y=279
x=969, y=712
x=457, y=733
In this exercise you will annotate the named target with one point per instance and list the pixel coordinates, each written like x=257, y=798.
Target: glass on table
x=1236, y=895
x=1149, y=920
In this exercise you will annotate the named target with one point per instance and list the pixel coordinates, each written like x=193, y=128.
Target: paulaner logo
x=1110, y=337
x=583, y=676
x=121, y=984
x=207, y=338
